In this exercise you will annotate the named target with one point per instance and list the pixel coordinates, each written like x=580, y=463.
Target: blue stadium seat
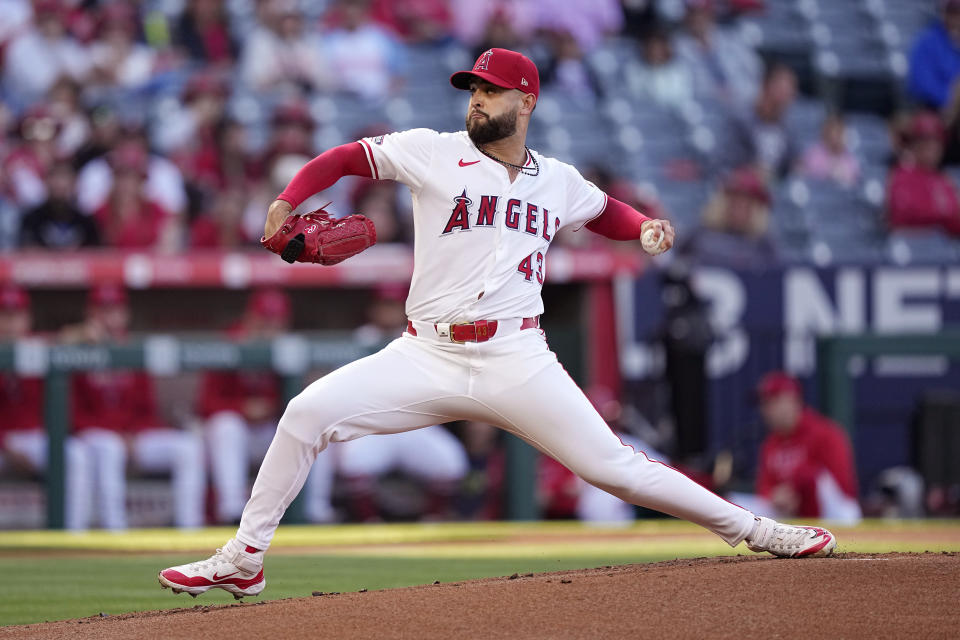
x=922, y=246
x=869, y=137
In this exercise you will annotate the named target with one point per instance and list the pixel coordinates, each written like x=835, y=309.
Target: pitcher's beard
x=489, y=130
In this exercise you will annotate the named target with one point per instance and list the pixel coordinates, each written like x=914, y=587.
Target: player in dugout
x=23, y=439
x=240, y=410
x=115, y=415
x=806, y=467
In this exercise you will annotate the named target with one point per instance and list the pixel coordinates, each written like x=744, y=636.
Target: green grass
x=56, y=575
x=62, y=588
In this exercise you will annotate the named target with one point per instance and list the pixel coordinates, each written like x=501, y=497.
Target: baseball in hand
x=652, y=239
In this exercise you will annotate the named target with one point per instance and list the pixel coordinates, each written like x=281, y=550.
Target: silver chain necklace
x=527, y=171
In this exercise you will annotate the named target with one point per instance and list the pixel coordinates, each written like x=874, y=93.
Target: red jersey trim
x=373, y=163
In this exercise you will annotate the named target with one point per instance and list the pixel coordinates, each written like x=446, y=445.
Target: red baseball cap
x=748, y=181
x=269, y=303
x=13, y=298
x=926, y=125
x=107, y=294
x=504, y=68
x=776, y=383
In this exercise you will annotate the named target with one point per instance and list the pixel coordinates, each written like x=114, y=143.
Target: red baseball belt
x=476, y=331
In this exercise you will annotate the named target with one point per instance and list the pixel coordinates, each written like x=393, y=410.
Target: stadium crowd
x=170, y=125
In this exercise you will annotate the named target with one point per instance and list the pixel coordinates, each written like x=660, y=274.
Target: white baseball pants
x=512, y=381
x=78, y=501
x=153, y=450
x=233, y=443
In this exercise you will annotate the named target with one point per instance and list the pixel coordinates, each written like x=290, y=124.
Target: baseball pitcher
x=486, y=209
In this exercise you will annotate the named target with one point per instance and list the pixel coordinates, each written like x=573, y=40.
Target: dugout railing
x=290, y=356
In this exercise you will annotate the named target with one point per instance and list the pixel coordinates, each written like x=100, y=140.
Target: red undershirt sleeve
x=618, y=221
x=324, y=170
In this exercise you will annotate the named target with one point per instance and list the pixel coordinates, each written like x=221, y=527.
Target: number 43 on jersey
x=527, y=269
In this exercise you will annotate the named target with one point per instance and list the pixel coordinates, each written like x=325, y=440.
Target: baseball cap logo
x=503, y=68
x=483, y=61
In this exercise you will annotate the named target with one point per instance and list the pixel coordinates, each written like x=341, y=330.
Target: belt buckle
x=457, y=324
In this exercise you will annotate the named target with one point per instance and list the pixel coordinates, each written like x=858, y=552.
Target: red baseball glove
x=316, y=237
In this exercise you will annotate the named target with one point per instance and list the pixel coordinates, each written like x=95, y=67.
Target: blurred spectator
x=473, y=19
x=289, y=148
x=23, y=439
x=26, y=166
x=105, y=133
x=806, y=467
x=639, y=17
x=919, y=194
x=58, y=223
x=724, y=68
x=735, y=225
x=164, y=182
x=222, y=226
x=37, y=56
x=16, y=17
x=115, y=414
x=567, y=71
x=203, y=32
x=935, y=59
x=119, y=61
x=587, y=21
x=231, y=160
x=760, y=136
x=292, y=132
x=281, y=55
x=415, y=21
x=221, y=166
x=128, y=219
x=190, y=129
x=829, y=158
x=210, y=149
x=240, y=410
x=687, y=336
x=659, y=76
x=364, y=59
x=63, y=102
x=500, y=31
x=934, y=73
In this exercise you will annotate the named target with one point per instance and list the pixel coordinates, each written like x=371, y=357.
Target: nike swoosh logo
x=218, y=578
x=467, y=164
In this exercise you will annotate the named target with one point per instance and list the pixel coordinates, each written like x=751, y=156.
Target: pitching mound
x=849, y=595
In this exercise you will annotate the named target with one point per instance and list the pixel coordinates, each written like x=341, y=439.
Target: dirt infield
x=847, y=596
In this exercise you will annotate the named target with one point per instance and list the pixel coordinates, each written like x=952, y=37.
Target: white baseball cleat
x=234, y=568
x=789, y=541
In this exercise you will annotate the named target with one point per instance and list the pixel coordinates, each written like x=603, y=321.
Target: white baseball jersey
x=480, y=241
